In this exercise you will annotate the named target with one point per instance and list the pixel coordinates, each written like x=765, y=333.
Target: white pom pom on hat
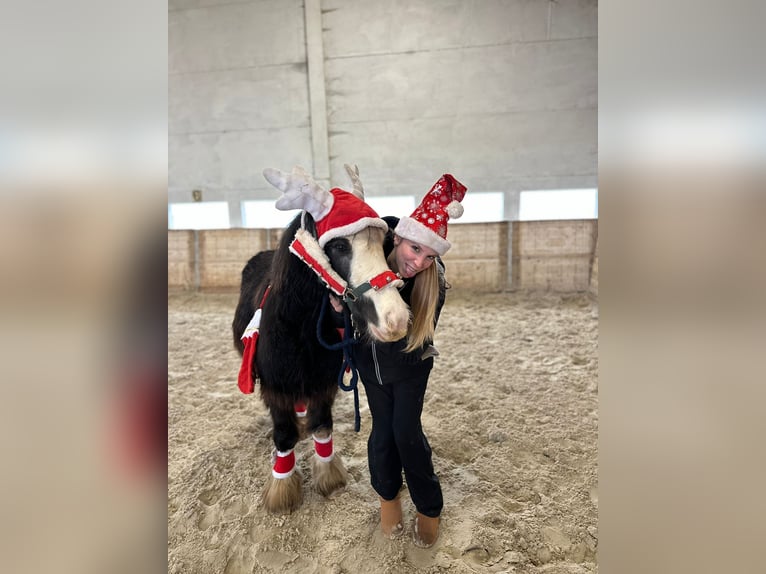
x=427, y=225
x=455, y=210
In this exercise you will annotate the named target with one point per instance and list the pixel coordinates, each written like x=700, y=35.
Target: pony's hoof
x=283, y=495
x=328, y=476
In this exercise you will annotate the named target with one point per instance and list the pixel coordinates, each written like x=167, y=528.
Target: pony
x=335, y=245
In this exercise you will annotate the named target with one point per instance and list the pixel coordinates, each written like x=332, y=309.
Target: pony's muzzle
x=397, y=324
x=393, y=326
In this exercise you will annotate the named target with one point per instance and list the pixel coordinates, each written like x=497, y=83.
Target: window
x=261, y=214
x=198, y=215
x=396, y=205
x=481, y=207
x=558, y=204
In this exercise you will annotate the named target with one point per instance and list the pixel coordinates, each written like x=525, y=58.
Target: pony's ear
x=353, y=173
x=300, y=192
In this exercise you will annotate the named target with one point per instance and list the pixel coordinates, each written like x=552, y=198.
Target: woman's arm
x=442, y=289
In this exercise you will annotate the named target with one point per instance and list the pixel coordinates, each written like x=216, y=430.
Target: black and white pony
x=334, y=245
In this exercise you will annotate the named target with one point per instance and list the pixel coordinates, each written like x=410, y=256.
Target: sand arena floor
x=510, y=412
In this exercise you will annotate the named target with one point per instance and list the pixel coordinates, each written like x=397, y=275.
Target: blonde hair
x=425, y=295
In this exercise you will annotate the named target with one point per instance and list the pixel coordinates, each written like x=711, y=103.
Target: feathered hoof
x=283, y=495
x=328, y=476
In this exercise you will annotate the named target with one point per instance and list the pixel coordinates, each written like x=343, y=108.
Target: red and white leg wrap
x=283, y=463
x=300, y=410
x=323, y=448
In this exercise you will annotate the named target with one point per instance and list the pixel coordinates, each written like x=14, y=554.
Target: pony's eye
x=340, y=246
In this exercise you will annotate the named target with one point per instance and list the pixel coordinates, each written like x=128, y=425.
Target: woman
x=395, y=375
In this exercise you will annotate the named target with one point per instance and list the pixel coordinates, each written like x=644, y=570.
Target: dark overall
x=395, y=384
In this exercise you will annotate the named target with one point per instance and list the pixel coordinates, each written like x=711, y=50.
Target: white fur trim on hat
x=321, y=263
x=413, y=230
x=352, y=228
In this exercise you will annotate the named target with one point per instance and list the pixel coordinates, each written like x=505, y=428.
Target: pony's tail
x=254, y=280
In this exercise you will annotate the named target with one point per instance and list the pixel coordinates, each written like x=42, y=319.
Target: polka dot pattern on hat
x=434, y=211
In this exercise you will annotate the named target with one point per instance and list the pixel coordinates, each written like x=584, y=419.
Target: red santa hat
x=348, y=214
x=336, y=212
x=428, y=223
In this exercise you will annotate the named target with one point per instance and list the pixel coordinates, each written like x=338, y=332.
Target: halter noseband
x=377, y=283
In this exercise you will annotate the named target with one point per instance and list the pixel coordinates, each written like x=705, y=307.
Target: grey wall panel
x=495, y=79
x=501, y=93
x=574, y=19
x=189, y=4
x=238, y=96
x=497, y=149
x=234, y=160
x=236, y=36
x=250, y=98
x=375, y=27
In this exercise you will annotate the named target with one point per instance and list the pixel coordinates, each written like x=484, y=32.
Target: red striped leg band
x=284, y=464
x=300, y=409
x=323, y=448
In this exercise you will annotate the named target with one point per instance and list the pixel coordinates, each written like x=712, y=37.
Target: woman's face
x=412, y=258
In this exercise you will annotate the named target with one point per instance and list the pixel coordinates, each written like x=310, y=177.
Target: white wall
x=500, y=93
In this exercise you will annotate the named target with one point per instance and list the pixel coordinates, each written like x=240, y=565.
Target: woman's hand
x=336, y=304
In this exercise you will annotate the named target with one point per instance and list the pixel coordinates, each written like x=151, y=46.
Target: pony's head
x=344, y=246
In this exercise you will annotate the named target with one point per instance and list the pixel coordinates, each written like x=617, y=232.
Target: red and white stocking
x=300, y=410
x=323, y=448
x=283, y=463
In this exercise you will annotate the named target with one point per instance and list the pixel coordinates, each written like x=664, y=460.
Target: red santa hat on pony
x=427, y=225
x=335, y=212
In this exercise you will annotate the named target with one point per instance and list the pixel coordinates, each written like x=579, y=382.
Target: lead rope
x=346, y=343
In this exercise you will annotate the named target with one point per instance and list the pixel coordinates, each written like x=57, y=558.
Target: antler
x=300, y=192
x=353, y=173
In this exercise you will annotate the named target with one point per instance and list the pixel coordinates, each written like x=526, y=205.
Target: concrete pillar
x=235, y=212
x=317, y=98
x=511, y=215
x=511, y=204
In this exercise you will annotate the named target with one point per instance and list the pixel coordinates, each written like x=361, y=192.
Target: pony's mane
x=287, y=268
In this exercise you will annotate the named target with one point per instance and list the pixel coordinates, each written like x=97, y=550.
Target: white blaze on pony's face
x=381, y=315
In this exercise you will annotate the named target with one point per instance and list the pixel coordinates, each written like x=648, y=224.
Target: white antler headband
x=300, y=192
x=353, y=173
